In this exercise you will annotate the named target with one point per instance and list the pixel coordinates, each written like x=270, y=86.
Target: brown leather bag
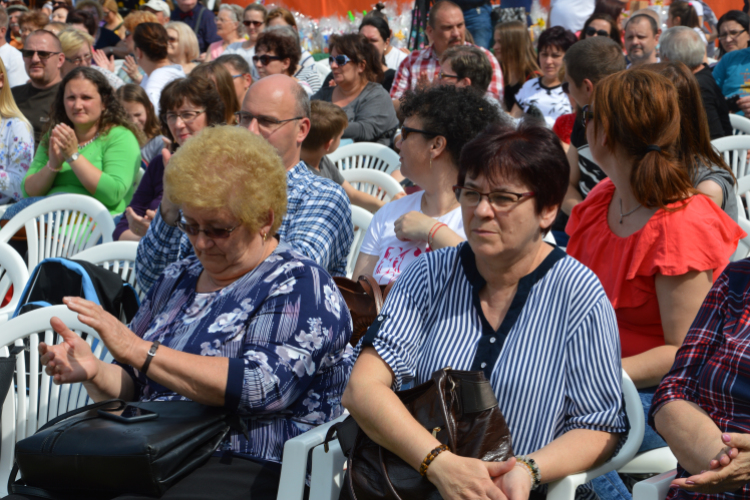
x=459, y=408
x=364, y=298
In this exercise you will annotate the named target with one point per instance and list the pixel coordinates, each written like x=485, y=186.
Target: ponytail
x=658, y=179
x=686, y=12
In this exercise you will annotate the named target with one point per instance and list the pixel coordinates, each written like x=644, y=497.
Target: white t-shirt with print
x=552, y=102
x=395, y=255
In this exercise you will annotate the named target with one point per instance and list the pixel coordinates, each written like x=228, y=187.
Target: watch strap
x=150, y=356
x=73, y=157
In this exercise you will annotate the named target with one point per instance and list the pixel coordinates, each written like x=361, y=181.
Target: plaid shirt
x=426, y=61
x=318, y=224
x=711, y=367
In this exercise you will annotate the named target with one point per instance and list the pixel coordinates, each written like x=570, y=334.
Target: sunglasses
x=43, y=54
x=265, y=59
x=405, y=131
x=254, y=24
x=591, y=31
x=731, y=34
x=442, y=76
x=340, y=60
x=587, y=114
x=215, y=233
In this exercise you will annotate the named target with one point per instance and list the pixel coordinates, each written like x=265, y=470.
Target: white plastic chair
x=27, y=408
x=361, y=219
x=740, y=124
x=323, y=68
x=138, y=176
x=373, y=182
x=13, y=273
x=654, y=488
x=118, y=257
x=60, y=226
x=366, y=155
x=654, y=461
x=734, y=150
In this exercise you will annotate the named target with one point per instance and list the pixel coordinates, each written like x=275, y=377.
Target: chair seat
x=651, y=462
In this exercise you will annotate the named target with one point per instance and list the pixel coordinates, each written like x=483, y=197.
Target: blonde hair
x=187, y=45
x=8, y=107
x=72, y=40
x=229, y=167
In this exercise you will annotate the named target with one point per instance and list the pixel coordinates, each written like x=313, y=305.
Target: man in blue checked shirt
x=318, y=221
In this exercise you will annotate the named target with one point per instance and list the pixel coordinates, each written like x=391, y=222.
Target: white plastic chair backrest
x=740, y=124
x=323, y=68
x=138, y=176
x=13, y=272
x=743, y=247
x=69, y=223
x=361, y=219
x=734, y=150
x=366, y=155
x=373, y=182
x=743, y=194
x=118, y=257
x=564, y=489
x=25, y=409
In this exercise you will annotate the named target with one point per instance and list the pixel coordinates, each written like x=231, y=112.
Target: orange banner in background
x=324, y=8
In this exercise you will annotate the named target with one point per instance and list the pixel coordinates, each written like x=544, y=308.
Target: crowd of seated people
x=210, y=146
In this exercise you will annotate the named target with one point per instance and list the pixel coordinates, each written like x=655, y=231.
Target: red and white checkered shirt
x=426, y=61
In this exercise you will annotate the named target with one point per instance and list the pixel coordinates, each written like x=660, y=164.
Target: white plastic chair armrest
x=327, y=472
x=651, y=462
x=294, y=461
x=654, y=488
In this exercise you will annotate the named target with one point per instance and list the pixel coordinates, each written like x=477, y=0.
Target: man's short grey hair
x=302, y=101
x=682, y=44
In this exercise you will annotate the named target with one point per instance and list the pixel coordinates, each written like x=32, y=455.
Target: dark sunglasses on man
x=265, y=59
x=591, y=31
x=43, y=54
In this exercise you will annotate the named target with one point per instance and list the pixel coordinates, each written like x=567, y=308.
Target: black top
x=714, y=103
x=35, y=104
x=509, y=95
x=388, y=79
x=107, y=38
x=578, y=135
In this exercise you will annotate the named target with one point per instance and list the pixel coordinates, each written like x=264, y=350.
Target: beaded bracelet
x=430, y=457
x=533, y=469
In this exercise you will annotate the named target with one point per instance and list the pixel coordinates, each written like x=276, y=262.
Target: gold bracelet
x=430, y=457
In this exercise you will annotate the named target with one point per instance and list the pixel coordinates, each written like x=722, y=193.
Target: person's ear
x=548, y=216
x=464, y=82
x=439, y=146
x=676, y=21
x=286, y=62
x=266, y=228
x=60, y=60
x=588, y=87
x=304, y=129
x=328, y=144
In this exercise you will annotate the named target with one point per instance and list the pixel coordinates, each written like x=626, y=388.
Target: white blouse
x=16, y=153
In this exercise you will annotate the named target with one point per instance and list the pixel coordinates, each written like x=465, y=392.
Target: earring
x=265, y=235
x=430, y=162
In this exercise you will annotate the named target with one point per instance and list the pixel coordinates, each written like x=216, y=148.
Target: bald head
x=277, y=108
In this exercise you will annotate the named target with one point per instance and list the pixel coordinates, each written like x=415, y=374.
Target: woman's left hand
x=729, y=473
x=413, y=226
x=121, y=342
x=100, y=58
x=516, y=483
x=67, y=139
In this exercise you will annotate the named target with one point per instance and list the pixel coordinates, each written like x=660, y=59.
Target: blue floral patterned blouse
x=284, y=327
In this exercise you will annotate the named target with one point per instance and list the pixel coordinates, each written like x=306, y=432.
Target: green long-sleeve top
x=117, y=154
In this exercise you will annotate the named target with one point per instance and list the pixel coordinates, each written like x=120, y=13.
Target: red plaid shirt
x=711, y=368
x=426, y=61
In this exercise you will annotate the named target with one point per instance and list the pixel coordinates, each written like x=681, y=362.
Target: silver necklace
x=625, y=215
x=81, y=146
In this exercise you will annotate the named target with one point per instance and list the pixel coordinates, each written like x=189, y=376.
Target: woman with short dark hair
x=601, y=25
x=733, y=32
x=478, y=306
x=151, y=53
x=546, y=92
x=357, y=71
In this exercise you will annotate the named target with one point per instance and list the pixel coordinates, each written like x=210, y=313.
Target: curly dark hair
x=113, y=113
x=283, y=44
x=199, y=91
x=358, y=48
x=556, y=36
x=458, y=114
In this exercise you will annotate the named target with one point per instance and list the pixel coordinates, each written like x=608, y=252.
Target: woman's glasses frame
x=500, y=201
x=266, y=59
x=214, y=233
x=340, y=60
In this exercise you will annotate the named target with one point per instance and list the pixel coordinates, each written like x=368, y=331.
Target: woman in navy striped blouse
x=537, y=322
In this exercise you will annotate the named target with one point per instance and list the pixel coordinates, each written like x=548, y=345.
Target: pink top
x=216, y=49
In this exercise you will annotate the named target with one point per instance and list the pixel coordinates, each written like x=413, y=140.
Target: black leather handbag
x=84, y=454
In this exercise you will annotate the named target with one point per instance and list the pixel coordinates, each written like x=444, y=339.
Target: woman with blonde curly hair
x=90, y=147
x=243, y=332
x=183, y=46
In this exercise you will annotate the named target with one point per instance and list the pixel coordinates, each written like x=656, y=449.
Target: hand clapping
x=62, y=144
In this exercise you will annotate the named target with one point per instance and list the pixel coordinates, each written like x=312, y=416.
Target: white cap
x=158, y=6
x=698, y=7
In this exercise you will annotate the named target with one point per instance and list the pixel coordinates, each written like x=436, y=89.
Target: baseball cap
x=15, y=8
x=158, y=6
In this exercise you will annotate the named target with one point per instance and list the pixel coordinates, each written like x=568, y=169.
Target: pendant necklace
x=625, y=215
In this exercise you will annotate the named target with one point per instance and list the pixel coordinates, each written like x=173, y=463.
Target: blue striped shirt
x=554, y=363
x=317, y=224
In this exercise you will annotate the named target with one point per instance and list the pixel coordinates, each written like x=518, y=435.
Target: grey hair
x=285, y=30
x=302, y=100
x=682, y=44
x=237, y=13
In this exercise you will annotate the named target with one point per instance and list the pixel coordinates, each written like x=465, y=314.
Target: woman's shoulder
x=18, y=127
x=593, y=208
x=530, y=86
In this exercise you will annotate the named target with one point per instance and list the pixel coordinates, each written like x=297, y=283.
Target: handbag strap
x=371, y=288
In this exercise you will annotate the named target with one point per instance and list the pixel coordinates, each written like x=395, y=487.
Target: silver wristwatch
x=73, y=157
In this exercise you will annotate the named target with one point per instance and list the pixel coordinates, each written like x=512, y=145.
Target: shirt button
x=380, y=318
x=492, y=340
x=483, y=365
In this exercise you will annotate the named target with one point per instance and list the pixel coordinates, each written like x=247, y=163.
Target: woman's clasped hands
x=62, y=144
x=728, y=473
x=72, y=360
x=462, y=478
